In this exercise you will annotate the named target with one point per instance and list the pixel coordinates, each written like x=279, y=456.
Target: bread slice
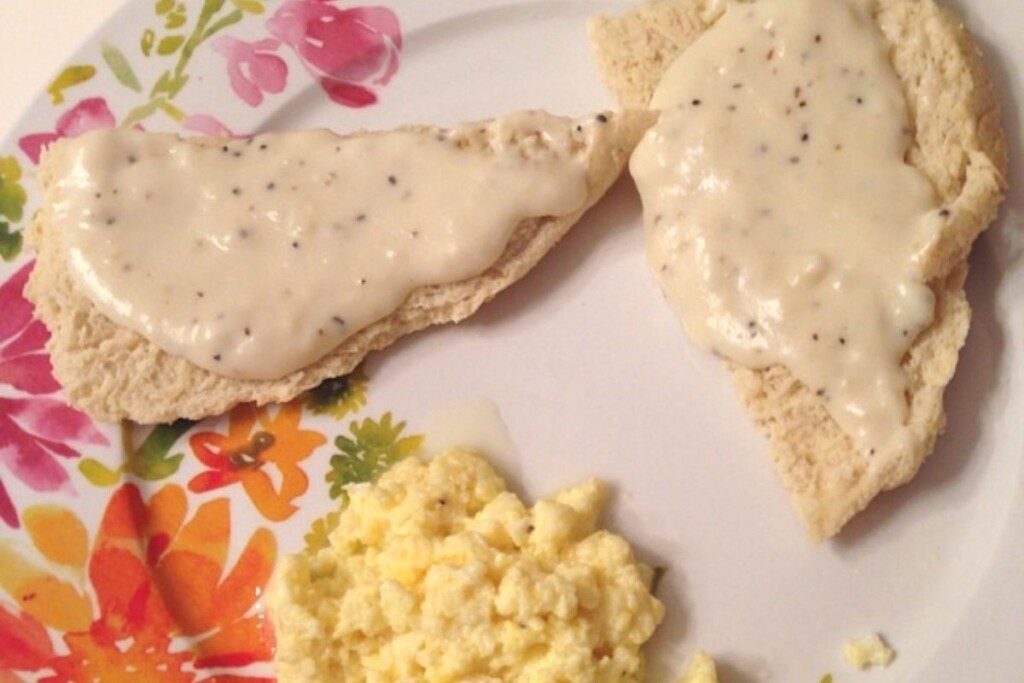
x=958, y=144
x=114, y=373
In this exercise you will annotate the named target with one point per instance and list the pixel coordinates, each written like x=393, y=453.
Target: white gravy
x=254, y=258
x=781, y=219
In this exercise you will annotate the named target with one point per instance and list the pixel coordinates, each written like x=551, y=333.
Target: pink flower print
x=252, y=68
x=34, y=429
x=347, y=50
x=204, y=124
x=24, y=364
x=89, y=114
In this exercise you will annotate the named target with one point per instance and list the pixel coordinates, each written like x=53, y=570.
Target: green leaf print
x=222, y=23
x=168, y=45
x=339, y=396
x=317, y=537
x=169, y=109
x=146, y=42
x=168, y=85
x=99, y=474
x=120, y=67
x=175, y=20
x=12, y=207
x=211, y=7
x=151, y=461
x=68, y=78
x=249, y=6
x=209, y=21
x=376, y=446
x=12, y=194
x=10, y=242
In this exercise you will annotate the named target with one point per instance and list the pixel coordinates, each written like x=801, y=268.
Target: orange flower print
x=150, y=601
x=254, y=441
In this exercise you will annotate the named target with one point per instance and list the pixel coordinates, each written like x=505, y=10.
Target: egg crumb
x=438, y=573
x=867, y=651
x=701, y=670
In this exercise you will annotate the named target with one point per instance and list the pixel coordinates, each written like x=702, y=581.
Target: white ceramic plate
x=593, y=376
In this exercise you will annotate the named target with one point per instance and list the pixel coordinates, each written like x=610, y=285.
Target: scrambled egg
x=438, y=573
x=867, y=651
x=702, y=670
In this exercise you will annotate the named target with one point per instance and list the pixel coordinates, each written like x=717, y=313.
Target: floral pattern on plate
x=37, y=431
x=140, y=552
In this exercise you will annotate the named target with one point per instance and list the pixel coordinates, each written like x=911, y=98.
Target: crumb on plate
x=868, y=651
x=701, y=670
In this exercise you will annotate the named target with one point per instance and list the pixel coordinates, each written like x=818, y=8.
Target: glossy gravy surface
x=253, y=258
x=781, y=219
